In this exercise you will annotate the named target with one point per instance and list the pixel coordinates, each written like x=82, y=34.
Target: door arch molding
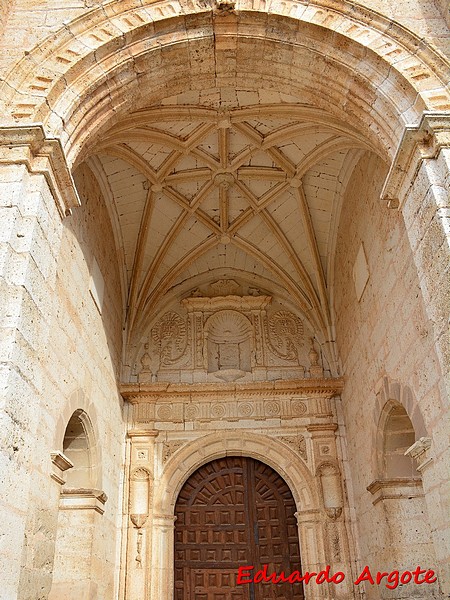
x=313, y=524
x=217, y=445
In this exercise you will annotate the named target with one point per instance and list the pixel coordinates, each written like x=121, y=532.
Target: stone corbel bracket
x=420, y=452
x=60, y=464
x=418, y=143
x=28, y=145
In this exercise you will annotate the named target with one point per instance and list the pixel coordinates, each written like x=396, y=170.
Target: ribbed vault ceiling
x=238, y=182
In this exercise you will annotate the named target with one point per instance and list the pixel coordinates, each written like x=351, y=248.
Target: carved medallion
x=245, y=409
x=169, y=335
x=218, y=410
x=272, y=408
x=164, y=413
x=285, y=334
x=191, y=411
x=298, y=408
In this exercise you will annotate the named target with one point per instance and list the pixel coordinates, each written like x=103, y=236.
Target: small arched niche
x=78, y=447
x=228, y=336
x=398, y=436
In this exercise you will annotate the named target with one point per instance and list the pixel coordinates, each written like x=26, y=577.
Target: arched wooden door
x=232, y=512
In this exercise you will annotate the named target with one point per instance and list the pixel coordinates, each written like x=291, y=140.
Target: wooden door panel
x=232, y=512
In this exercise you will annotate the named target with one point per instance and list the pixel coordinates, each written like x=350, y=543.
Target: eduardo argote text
x=391, y=579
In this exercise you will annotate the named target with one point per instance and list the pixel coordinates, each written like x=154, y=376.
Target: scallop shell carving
x=228, y=326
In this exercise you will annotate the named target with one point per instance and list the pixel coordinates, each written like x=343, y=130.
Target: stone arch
x=397, y=435
x=390, y=395
x=85, y=412
x=79, y=448
x=265, y=449
x=79, y=81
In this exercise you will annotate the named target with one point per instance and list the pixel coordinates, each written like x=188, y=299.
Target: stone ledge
x=396, y=488
x=60, y=464
x=83, y=499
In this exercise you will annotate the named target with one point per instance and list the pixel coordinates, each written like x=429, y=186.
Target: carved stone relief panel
x=203, y=405
x=170, y=338
x=170, y=447
x=297, y=443
x=285, y=335
x=209, y=337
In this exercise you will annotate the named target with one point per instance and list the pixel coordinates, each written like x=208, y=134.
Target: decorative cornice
x=28, y=145
x=143, y=433
x=319, y=427
x=241, y=303
x=419, y=142
x=61, y=461
x=137, y=393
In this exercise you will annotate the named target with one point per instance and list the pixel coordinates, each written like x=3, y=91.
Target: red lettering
x=380, y=577
x=241, y=573
x=324, y=576
x=430, y=574
x=418, y=571
x=262, y=575
x=338, y=577
x=408, y=574
x=307, y=576
x=393, y=578
x=365, y=576
x=282, y=578
x=295, y=577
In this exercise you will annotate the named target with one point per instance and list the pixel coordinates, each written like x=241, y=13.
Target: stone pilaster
x=138, y=514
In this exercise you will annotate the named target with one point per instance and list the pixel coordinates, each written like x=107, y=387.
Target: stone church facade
x=225, y=294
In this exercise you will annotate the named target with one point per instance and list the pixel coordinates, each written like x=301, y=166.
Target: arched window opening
x=75, y=568
x=76, y=448
x=399, y=435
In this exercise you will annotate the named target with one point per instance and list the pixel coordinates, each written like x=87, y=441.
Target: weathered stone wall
x=5, y=8
x=444, y=7
x=58, y=354
x=385, y=335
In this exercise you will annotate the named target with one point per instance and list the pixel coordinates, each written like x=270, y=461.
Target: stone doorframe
x=322, y=534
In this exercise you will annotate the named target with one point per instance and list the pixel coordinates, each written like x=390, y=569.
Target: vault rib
x=165, y=282
x=299, y=294
x=294, y=258
x=139, y=253
x=323, y=151
x=154, y=266
x=313, y=248
x=133, y=158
